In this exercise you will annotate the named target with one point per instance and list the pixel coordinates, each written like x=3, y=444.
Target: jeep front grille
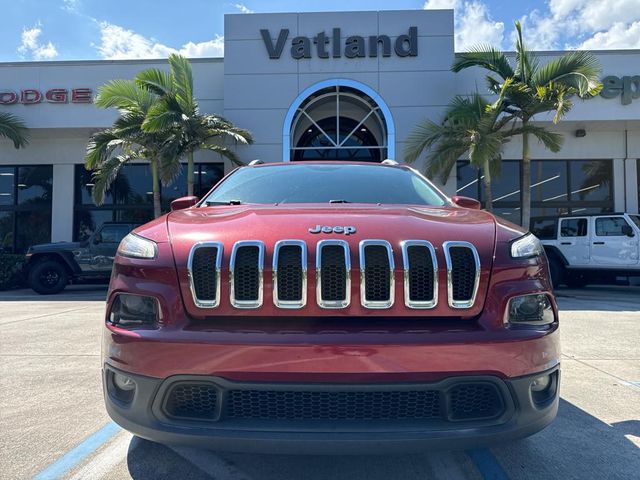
x=245, y=268
x=205, y=260
x=333, y=274
x=463, y=273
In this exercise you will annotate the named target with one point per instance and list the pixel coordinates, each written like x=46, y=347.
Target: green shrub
x=11, y=270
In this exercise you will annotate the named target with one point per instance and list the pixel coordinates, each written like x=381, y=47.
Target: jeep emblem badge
x=327, y=229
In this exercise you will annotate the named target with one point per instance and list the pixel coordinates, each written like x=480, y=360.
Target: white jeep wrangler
x=590, y=248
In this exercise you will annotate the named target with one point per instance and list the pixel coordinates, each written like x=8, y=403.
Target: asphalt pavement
x=53, y=423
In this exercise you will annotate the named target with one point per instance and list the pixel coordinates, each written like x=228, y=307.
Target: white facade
x=266, y=95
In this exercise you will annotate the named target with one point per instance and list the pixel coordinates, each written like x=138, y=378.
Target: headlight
x=137, y=247
x=531, y=310
x=130, y=311
x=527, y=246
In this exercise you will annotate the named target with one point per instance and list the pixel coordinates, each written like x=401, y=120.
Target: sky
x=130, y=29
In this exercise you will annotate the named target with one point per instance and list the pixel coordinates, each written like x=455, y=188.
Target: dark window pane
x=210, y=174
x=544, y=228
x=610, y=226
x=573, y=227
x=88, y=221
x=137, y=216
x=7, y=185
x=32, y=228
x=467, y=180
x=549, y=181
x=591, y=180
x=133, y=186
x=506, y=186
x=113, y=233
x=177, y=189
x=84, y=188
x=589, y=210
x=635, y=219
x=35, y=185
x=6, y=232
x=544, y=210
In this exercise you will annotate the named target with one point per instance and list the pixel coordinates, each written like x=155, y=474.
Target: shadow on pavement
x=576, y=446
x=599, y=298
x=69, y=294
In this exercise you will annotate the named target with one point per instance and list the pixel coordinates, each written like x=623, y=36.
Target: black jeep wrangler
x=49, y=267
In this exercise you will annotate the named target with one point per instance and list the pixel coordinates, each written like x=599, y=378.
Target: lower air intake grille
x=421, y=274
x=377, y=273
x=204, y=274
x=334, y=273
x=324, y=405
x=290, y=273
x=193, y=400
x=246, y=274
x=475, y=401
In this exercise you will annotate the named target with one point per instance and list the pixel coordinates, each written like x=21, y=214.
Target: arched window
x=338, y=122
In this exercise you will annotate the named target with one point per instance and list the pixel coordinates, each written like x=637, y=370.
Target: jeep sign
x=355, y=46
x=627, y=87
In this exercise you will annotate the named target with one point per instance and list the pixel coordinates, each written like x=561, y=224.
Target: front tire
x=556, y=271
x=48, y=277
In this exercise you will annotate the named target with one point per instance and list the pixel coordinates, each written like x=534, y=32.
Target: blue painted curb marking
x=78, y=454
x=487, y=464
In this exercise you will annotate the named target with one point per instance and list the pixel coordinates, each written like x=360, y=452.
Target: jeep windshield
x=330, y=183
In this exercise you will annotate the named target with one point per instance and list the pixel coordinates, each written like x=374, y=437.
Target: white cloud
x=30, y=46
x=619, y=36
x=243, y=8
x=71, y=5
x=119, y=43
x=473, y=23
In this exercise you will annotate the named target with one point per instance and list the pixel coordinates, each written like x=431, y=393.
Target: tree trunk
x=157, y=208
x=190, y=174
x=486, y=181
x=525, y=181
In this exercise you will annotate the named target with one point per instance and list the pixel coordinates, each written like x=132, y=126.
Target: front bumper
x=144, y=414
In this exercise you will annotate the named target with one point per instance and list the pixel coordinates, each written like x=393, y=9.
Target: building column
x=632, y=179
x=62, y=203
x=618, y=185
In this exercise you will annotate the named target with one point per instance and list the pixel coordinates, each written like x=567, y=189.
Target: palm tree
x=14, y=129
x=110, y=149
x=470, y=127
x=531, y=89
x=178, y=111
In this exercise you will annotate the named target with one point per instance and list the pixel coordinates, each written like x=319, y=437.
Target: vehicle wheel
x=557, y=272
x=576, y=281
x=48, y=277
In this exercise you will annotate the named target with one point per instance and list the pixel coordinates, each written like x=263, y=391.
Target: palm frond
x=484, y=56
x=105, y=174
x=157, y=81
x=100, y=147
x=423, y=136
x=551, y=140
x=183, y=83
x=526, y=61
x=223, y=152
x=579, y=70
x=13, y=129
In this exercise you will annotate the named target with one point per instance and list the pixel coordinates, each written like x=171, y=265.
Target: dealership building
x=309, y=86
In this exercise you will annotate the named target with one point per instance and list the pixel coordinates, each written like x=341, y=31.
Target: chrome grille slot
x=376, y=274
x=246, y=270
x=333, y=274
x=463, y=273
x=290, y=274
x=203, y=267
x=420, y=274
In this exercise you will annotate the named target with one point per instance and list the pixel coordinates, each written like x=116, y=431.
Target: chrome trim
x=447, y=255
x=333, y=304
x=303, y=257
x=205, y=303
x=418, y=304
x=247, y=303
x=376, y=304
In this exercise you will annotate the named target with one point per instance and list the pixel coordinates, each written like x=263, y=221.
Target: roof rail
x=257, y=161
x=388, y=161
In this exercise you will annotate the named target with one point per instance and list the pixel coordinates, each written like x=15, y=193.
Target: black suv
x=49, y=267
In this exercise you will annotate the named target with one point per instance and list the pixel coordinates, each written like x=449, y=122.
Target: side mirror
x=628, y=231
x=183, y=202
x=466, y=202
x=97, y=238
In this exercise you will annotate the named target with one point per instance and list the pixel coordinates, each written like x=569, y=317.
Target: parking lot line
x=487, y=464
x=104, y=462
x=75, y=456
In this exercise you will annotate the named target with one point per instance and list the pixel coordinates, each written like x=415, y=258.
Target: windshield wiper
x=229, y=202
x=339, y=201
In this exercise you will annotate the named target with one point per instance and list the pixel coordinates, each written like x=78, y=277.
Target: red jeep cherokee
x=330, y=307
